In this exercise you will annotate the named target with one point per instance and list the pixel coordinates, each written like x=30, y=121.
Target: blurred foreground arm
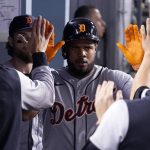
x=104, y=98
x=142, y=77
x=111, y=116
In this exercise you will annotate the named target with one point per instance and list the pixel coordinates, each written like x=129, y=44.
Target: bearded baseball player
x=18, y=45
x=71, y=120
x=17, y=90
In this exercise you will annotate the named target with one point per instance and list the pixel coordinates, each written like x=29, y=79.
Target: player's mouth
x=82, y=63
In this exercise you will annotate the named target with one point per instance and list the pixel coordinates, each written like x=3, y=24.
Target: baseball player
x=125, y=125
x=71, y=120
x=18, y=44
x=18, y=91
x=94, y=14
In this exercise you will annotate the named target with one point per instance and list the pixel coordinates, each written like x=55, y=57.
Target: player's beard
x=23, y=55
x=80, y=73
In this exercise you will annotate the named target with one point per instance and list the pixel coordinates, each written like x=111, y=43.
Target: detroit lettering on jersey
x=83, y=106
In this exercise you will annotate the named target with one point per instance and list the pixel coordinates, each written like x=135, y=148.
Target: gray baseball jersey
x=28, y=103
x=71, y=120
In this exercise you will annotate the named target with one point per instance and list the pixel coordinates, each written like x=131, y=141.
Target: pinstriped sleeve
x=37, y=93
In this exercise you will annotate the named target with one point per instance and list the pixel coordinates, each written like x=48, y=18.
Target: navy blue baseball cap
x=19, y=23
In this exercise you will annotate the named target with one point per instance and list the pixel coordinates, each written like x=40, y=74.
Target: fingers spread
x=119, y=95
x=148, y=27
x=51, y=40
x=127, y=34
x=38, y=27
x=50, y=32
x=142, y=30
x=136, y=32
x=43, y=26
x=34, y=27
x=121, y=47
x=98, y=92
x=131, y=32
x=59, y=45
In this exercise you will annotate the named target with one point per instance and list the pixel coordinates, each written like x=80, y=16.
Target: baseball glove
x=133, y=50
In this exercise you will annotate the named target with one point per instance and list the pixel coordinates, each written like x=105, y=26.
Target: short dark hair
x=84, y=11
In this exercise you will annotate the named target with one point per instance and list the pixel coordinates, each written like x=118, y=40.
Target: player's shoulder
x=98, y=69
x=117, y=73
x=59, y=75
x=10, y=74
x=105, y=71
x=7, y=70
x=58, y=72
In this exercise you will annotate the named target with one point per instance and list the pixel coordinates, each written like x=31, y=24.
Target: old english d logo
x=28, y=20
x=82, y=27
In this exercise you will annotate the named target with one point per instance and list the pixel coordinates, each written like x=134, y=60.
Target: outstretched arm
x=113, y=119
x=104, y=98
x=33, y=96
x=142, y=77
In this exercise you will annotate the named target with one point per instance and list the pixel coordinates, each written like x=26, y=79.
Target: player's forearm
x=142, y=77
x=39, y=92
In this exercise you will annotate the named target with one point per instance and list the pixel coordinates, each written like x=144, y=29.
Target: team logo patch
x=28, y=20
x=82, y=28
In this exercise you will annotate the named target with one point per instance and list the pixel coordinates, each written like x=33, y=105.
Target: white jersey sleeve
x=39, y=92
x=113, y=127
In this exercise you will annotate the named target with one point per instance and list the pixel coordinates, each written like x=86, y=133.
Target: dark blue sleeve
x=39, y=59
x=139, y=91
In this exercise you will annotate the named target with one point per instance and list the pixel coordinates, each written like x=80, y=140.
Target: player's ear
x=10, y=41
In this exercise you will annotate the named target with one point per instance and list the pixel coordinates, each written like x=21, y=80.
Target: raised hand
x=142, y=77
x=146, y=36
x=104, y=98
x=40, y=36
x=133, y=50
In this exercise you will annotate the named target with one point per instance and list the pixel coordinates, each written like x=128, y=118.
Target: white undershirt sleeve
x=144, y=93
x=113, y=127
x=38, y=93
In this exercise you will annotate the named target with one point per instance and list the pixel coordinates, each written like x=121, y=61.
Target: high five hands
x=133, y=50
x=146, y=38
x=51, y=49
x=42, y=39
x=39, y=39
x=104, y=98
